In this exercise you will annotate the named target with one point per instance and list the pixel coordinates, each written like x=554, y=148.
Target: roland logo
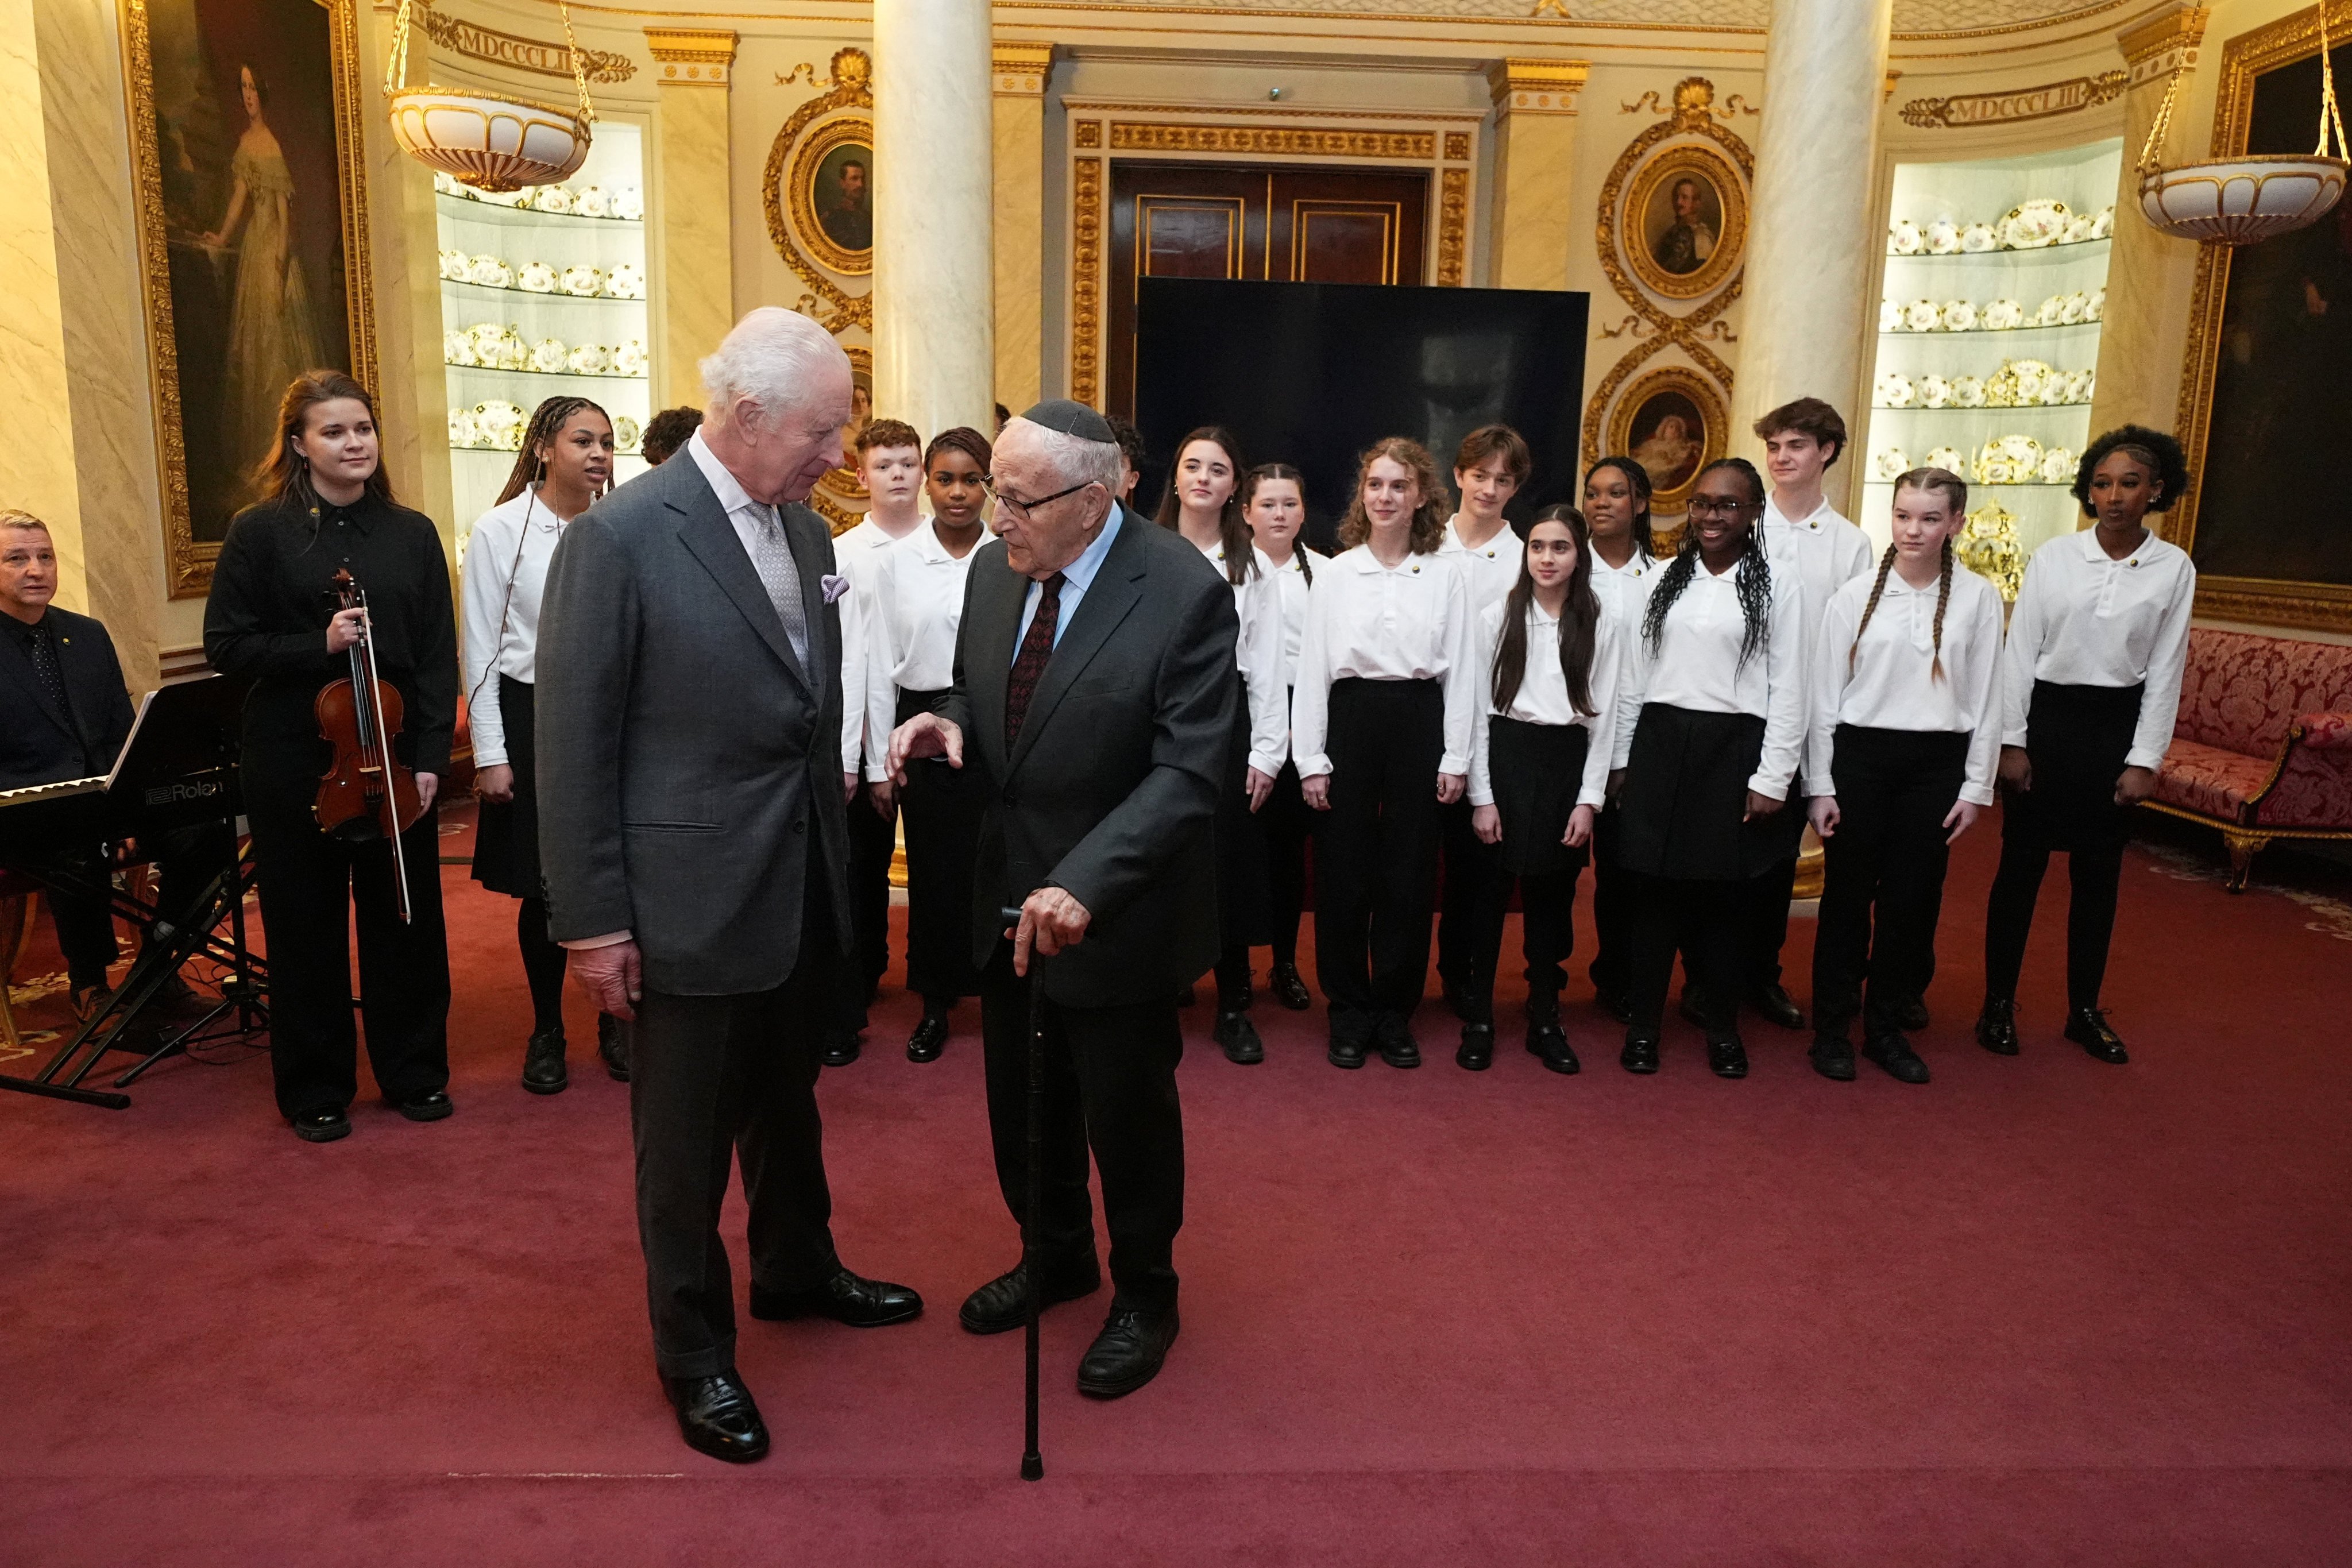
x=183, y=790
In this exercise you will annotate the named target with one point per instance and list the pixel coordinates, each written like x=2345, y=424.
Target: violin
x=367, y=794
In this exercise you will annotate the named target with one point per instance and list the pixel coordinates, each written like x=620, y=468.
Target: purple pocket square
x=835, y=587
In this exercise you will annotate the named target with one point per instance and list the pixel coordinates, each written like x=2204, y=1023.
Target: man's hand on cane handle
x=1051, y=919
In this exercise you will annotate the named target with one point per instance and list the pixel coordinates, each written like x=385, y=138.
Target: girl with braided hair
x=1898, y=762
x=2090, y=686
x=1624, y=570
x=565, y=465
x=1274, y=502
x=1716, y=707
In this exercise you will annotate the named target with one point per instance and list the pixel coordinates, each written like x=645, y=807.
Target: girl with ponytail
x=565, y=465
x=1899, y=758
x=1548, y=657
x=1715, y=712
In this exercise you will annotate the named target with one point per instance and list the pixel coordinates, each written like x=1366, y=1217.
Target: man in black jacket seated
x=1093, y=689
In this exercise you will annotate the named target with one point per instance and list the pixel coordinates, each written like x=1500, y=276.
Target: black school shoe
x=1639, y=1054
x=1289, y=989
x=1833, y=1058
x=543, y=1071
x=1394, y=1034
x=1129, y=1353
x=321, y=1126
x=2087, y=1027
x=1777, y=1006
x=1727, y=1057
x=1238, y=1038
x=1477, y=1052
x=1894, y=1053
x=1997, y=1026
x=432, y=1107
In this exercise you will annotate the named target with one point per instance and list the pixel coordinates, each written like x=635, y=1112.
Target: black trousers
x=1611, y=970
x=1883, y=886
x=1547, y=936
x=1475, y=881
x=1376, y=849
x=83, y=917
x=1764, y=918
x=713, y=1079
x=944, y=808
x=2095, y=872
x=873, y=840
x=314, y=888
x=1703, y=921
x=1110, y=1086
x=1288, y=824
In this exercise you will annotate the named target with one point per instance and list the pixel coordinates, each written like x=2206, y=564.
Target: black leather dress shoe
x=1238, y=1038
x=842, y=1047
x=1289, y=989
x=716, y=1416
x=2087, y=1027
x=846, y=1298
x=1000, y=1306
x=612, y=1044
x=1996, y=1027
x=1548, y=1043
x=1639, y=1054
x=1394, y=1038
x=1776, y=1007
x=1833, y=1058
x=321, y=1126
x=1347, y=1050
x=1127, y=1353
x=543, y=1071
x=1894, y=1053
x=1476, y=1051
x=1912, y=1016
x=929, y=1039
x=430, y=1107
x=1727, y=1057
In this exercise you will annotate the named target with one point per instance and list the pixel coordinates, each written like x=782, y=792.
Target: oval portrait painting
x=1683, y=223
x=1668, y=438
x=1686, y=221
x=842, y=194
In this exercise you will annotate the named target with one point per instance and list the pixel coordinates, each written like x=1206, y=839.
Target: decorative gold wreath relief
x=840, y=497
x=815, y=131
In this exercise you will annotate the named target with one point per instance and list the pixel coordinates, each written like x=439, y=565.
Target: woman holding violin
x=330, y=761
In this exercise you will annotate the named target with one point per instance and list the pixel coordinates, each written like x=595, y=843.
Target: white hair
x=769, y=358
x=1076, y=459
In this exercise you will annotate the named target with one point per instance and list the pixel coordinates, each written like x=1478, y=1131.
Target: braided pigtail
x=1885, y=564
x=1943, y=598
x=1753, y=582
x=1671, y=584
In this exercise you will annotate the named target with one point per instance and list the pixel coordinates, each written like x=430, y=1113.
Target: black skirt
x=1244, y=889
x=505, y=835
x=1537, y=771
x=2076, y=737
x=1686, y=793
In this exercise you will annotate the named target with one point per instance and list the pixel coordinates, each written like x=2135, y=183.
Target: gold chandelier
x=490, y=141
x=2243, y=201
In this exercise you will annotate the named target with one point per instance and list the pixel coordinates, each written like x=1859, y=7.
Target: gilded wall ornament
x=840, y=497
x=812, y=222
x=1686, y=221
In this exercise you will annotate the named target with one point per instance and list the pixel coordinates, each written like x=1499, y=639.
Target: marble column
x=1019, y=283
x=1805, y=316
x=693, y=241
x=934, y=328
x=1534, y=154
x=2150, y=274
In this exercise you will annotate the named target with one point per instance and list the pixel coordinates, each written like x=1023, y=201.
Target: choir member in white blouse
x=1898, y=761
x=1716, y=703
x=1489, y=466
x=1807, y=540
x=1381, y=724
x=918, y=605
x=1274, y=503
x=1204, y=502
x=565, y=463
x=889, y=456
x=1625, y=569
x=2090, y=686
x=1547, y=731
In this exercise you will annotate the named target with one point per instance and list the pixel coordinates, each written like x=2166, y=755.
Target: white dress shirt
x=1823, y=551
x=1697, y=666
x=1624, y=592
x=1543, y=696
x=1076, y=578
x=499, y=594
x=1407, y=622
x=1890, y=682
x=918, y=587
x=1490, y=569
x=2083, y=619
x=1257, y=652
x=1290, y=578
x=750, y=518
x=858, y=555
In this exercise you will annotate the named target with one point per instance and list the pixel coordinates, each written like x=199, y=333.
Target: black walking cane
x=1033, y=1464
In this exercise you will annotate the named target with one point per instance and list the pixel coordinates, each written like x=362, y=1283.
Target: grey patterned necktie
x=782, y=577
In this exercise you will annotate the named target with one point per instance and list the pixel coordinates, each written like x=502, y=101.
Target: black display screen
x=1311, y=373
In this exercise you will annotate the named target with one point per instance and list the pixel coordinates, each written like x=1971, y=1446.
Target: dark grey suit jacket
x=39, y=744
x=1112, y=787
x=689, y=769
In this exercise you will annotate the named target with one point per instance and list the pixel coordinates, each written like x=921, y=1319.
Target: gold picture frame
x=790, y=228
x=1677, y=253
x=1651, y=423
x=2268, y=600
x=199, y=460
x=840, y=497
x=822, y=159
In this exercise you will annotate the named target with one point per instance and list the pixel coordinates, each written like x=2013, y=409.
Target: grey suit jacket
x=1113, y=786
x=689, y=768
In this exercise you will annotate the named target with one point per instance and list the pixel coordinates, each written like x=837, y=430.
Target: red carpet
x=2044, y=1310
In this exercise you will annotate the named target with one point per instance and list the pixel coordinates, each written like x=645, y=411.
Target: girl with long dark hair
x=2091, y=685
x=1898, y=761
x=1204, y=502
x=1274, y=502
x=1624, y=570
x=1546, y=734
x=1381, y=724
x=565, y=464
x=919, y=586
x=1717, y=706
x=272, y=618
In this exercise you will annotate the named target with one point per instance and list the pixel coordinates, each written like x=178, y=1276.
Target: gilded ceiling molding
x=2041, y=102
x=2155, y=48
x=518, y=53
x=700, y=57
x=1020, y=70
x=1537, y=86
x=1272, y=141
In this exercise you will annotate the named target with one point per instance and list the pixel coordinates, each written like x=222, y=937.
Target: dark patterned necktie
x=43, y=647
x=1029, y=665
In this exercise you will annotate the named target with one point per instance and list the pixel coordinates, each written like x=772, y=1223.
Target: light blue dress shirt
x=1076, y=577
